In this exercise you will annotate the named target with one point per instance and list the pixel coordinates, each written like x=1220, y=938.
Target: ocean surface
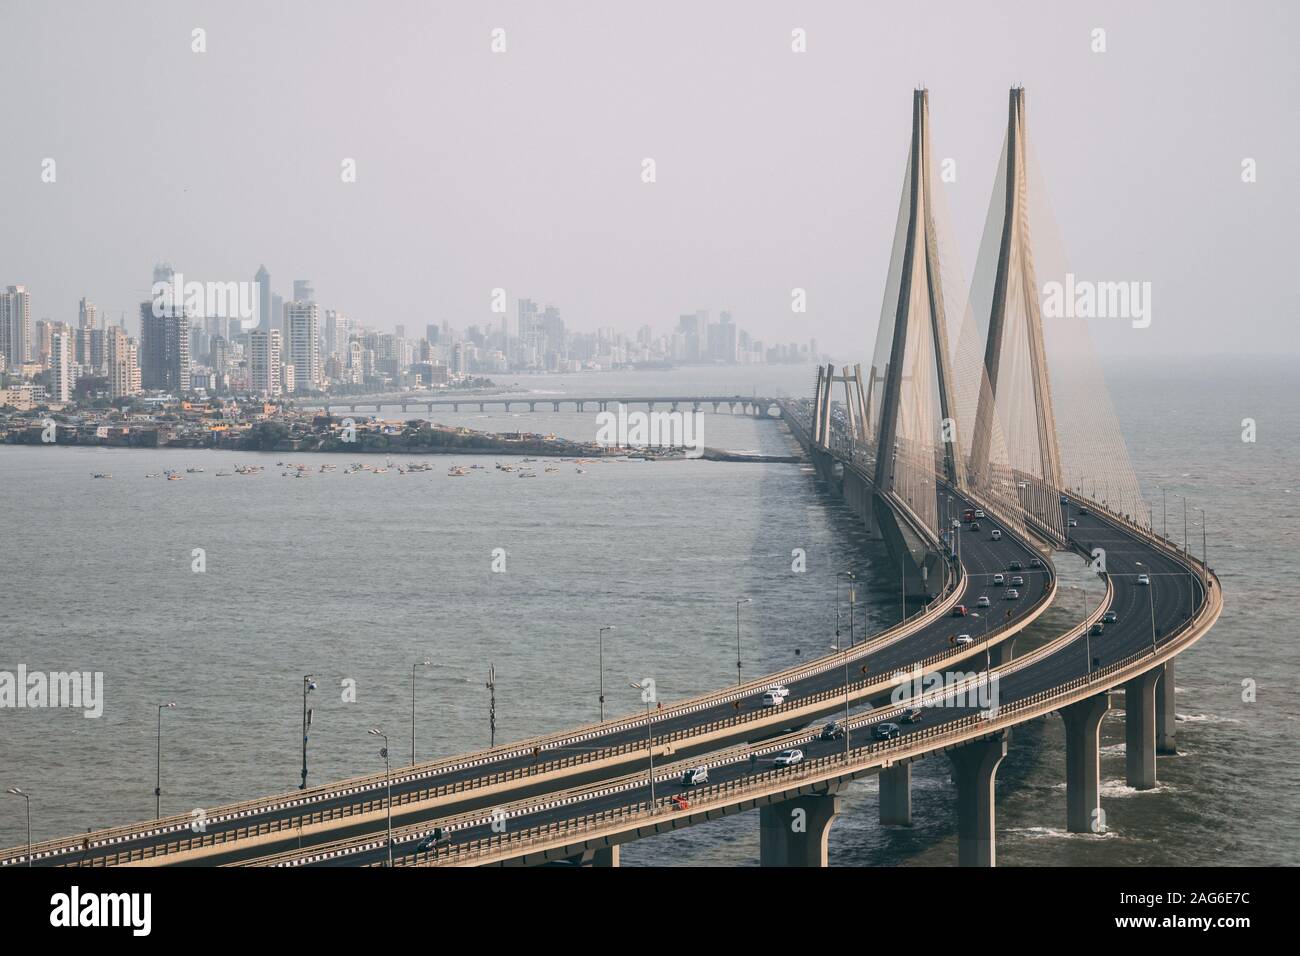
x=354, y=578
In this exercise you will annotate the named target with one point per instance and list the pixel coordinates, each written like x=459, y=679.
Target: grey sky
x=522, y=170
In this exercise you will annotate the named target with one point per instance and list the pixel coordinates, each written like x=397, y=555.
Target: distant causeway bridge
x=748, y=404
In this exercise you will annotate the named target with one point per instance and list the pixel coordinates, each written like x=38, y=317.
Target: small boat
x=101, y=474
x=456, y=471
x=194, y=471
x=551, y=468
x=528, y=474
x=224, y=474
x=155, y=474
x=581, y=471
x=174, y=476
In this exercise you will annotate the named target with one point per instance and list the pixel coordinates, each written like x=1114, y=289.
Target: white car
x=774, y=696
x=982, y=602
x=996, y=535
x=1012, y=594
x=980, y=514
x=1144, y=579
x=789, y=758
x=956, y=523
x=999, y=578
x=964, y=639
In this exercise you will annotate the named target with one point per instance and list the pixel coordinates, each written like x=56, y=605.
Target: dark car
x=960, y=610
x=912, y=715
x=974, y=525
x=886, y=731
x=432, y=840
x=1110, y=617
x=1015, y=566
x=832, y=731
x=1083, y=511
x=1035, y=562
x=1097, y=629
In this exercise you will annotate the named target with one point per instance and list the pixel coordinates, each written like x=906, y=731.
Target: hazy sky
x=522, y=170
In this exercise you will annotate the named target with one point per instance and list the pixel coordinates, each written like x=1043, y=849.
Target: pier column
x=896, y=795
x=602, y=856
x=974, y=770
x=1140, y=730
x=1004, y=652
x=1083, y=763
x=794, y=832
x=1165, y=716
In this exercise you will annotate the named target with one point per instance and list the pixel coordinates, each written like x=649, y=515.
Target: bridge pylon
x=1015, y=334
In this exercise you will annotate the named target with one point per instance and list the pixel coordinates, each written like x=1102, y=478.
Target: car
x=1012, y=594
x=912, y=715
x=1144, y=579
x=1015, y=566
x=974, y=525
x=961, y=610
x=432, y=840
x=999, y=578
x=962, y=640
x=968, y=514
x=1110, y=617
x=1065, y=500
x=996, y=535
x=1083, y=511
x=772, y=698
x=832, y=731
x=1097, y=629
x=1017, y=581
x=695, y=777
x=788, y=759
x=886, y=731
x=983, y=601
x=679, y=802
x=980, y=514
x=956, y=523
x=1072, y=523
x=1035, y=562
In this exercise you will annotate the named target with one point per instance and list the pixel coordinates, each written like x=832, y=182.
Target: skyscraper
x=164, y=347
x=62, y=367
x=15, y=326
x=302, y=291
x=264, y=310
x=264, y=361
x=301, y=319
x=87, y=314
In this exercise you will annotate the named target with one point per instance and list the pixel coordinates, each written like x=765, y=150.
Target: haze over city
x=522, y=169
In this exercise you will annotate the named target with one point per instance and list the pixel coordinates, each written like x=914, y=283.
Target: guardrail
x=616, y=822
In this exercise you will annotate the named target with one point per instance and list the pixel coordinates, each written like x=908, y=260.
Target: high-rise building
x=62, y=366
x=331, y=342
x=164, y=347
x=302, y=291
x=300, y=320
x=123, y=363
x=15, y=326
x=264, y=361
x=265, y=313
x=87, y=314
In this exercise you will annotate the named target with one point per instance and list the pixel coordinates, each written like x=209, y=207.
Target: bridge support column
x=1083, y=763
x=1004, y=653
x=1140, y=730
x=896, y=796
x=602, y=856
x=974, y=770
x=794, y=832
x=1165, y=717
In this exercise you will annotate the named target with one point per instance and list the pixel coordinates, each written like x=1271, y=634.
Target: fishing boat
x=194, y=471
x=456, y=471
x=224, y=474
x=174, y=476
x=101, y=474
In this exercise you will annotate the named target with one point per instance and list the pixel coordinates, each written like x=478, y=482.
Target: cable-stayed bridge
x=961, y=420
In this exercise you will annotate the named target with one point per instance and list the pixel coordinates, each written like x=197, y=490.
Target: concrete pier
x=1083, y=763
x=1165, y=716
x=794, y=832
x=974, y=770
x=1140, y=729
x=896, y=796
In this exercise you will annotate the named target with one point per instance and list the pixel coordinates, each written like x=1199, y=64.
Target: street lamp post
x=649, y=738
x=308, y=685
x=1205, y=558
x=1151, y=597
x=492, y=704
x=388, y=776
x=747, y=601
x=17, y=792
x=157, y=787
x=600, y=641
x=413, y=667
